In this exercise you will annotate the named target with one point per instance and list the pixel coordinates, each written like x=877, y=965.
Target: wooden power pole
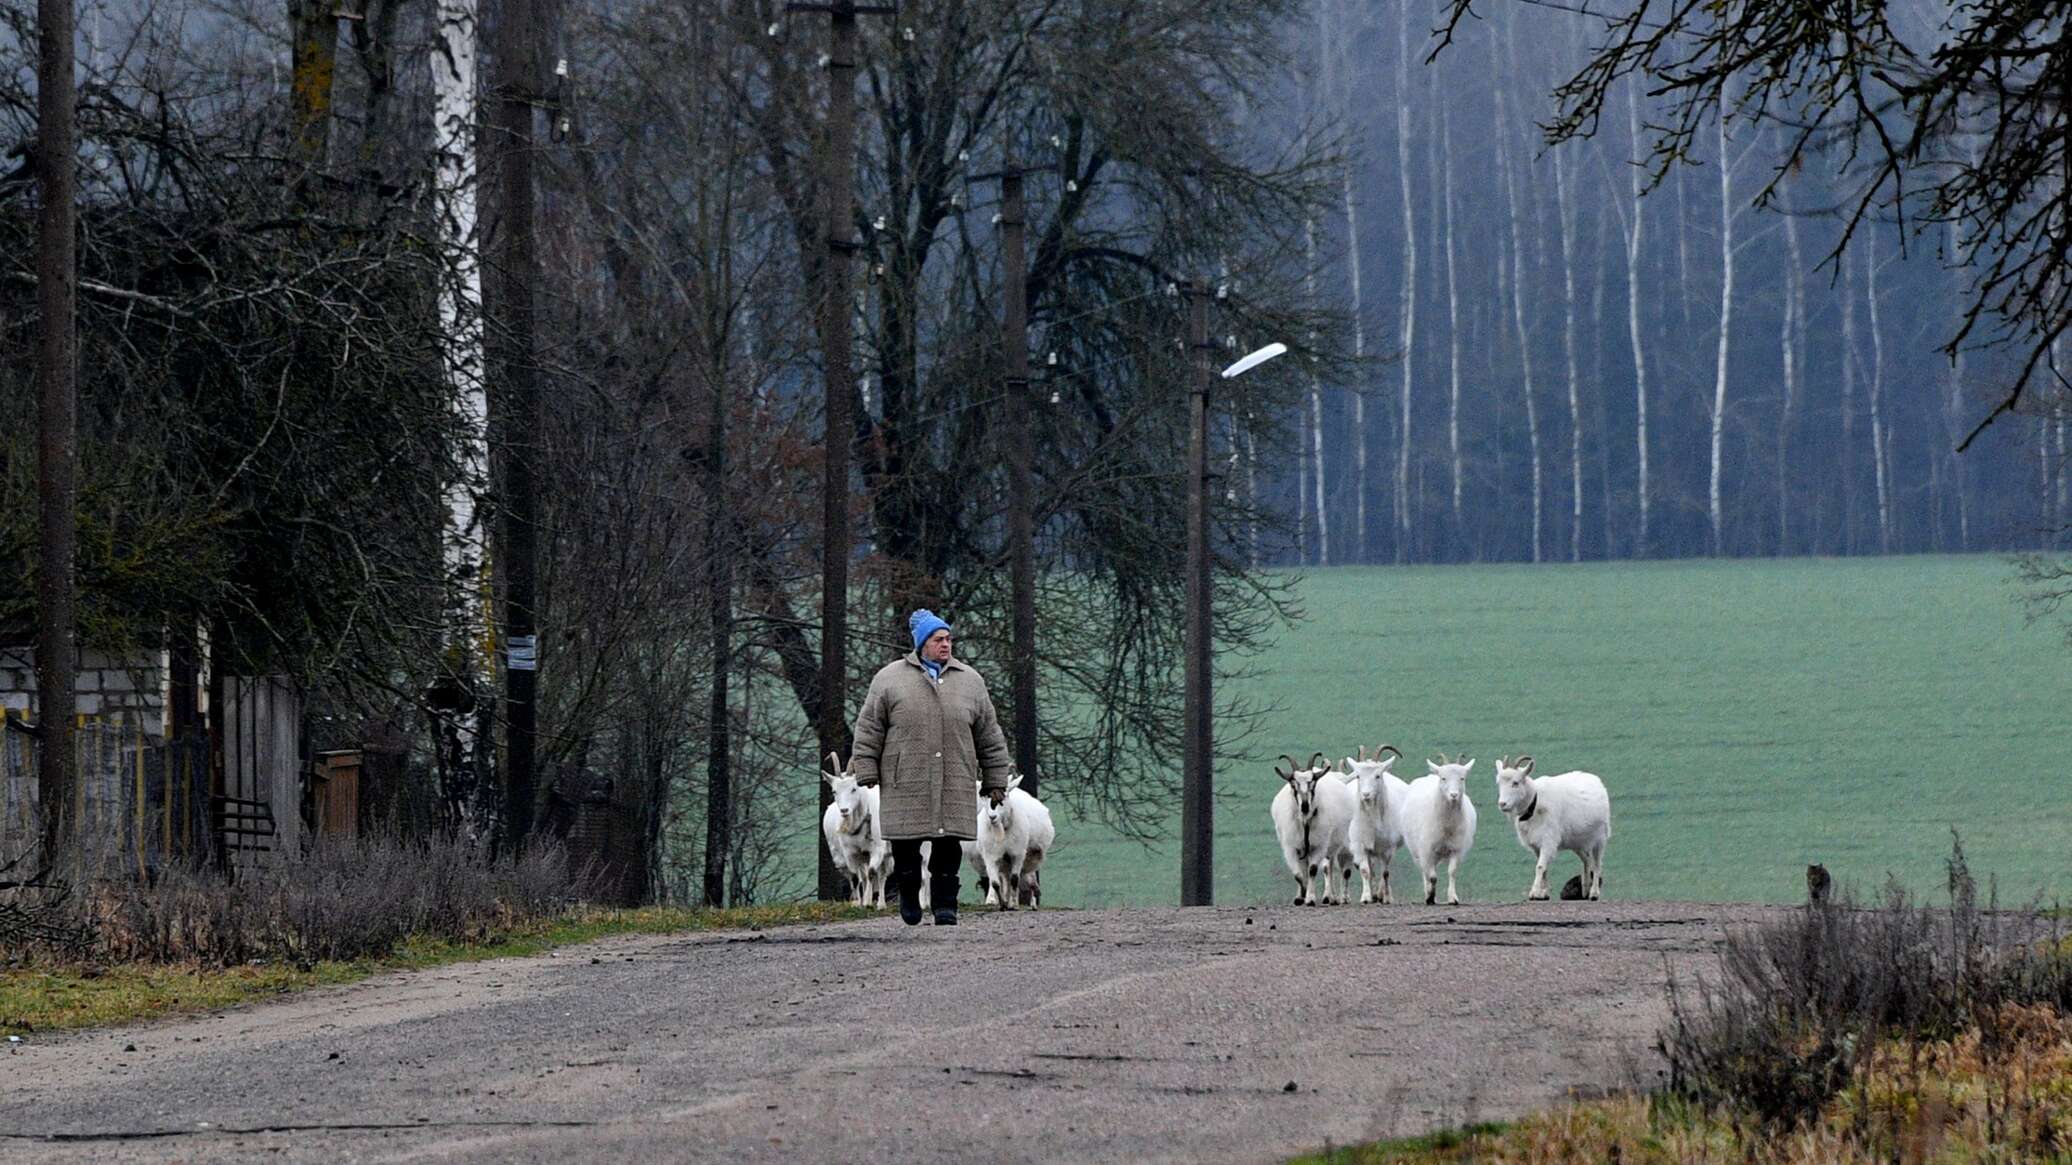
x=837, y=185
x=1021, y=533
x=517, y=404
x=57, y=417
x=1197, y=788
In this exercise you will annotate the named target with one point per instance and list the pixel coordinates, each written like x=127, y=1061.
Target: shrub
x=1800, y=1004
x=342, y=899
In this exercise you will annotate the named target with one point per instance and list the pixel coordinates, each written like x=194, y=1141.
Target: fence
x=140, y=800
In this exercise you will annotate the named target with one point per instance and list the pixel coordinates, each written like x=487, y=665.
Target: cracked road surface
x=1232, y=1034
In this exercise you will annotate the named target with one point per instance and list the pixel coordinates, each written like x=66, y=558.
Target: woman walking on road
x=926, y=732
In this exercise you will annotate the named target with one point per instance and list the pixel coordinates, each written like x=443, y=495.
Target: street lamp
x=1197, y=789
x=1255, y=359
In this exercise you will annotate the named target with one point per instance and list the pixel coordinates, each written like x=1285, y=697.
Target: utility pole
x=1021, y=532
x=57, y=418
x=837, y=184
x=518, y=411
x=1197, y=787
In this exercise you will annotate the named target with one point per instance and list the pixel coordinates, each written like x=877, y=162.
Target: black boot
x=906, y=876
x=942, y=894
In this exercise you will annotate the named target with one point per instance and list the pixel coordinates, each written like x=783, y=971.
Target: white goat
x=1312, y=817
x=1567, y=812
x=854, y=838
x=1014, y=832
x=1439, y=823
x=1377, y=825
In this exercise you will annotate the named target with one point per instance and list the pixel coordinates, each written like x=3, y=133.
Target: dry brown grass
x=1997, y=1094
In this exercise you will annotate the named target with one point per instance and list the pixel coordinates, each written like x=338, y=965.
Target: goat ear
x=1015, y=781
x=1467, y=766
x=1524, y=766
x=1349, y=762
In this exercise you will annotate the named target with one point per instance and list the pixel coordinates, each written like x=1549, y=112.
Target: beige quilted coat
x=923, y=742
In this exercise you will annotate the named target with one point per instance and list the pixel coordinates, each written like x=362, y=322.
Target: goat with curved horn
x=1388, y=748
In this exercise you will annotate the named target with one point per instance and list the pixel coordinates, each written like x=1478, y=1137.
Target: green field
x=1748, y=717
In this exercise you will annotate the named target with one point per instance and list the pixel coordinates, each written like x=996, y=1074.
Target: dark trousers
x=943, y=858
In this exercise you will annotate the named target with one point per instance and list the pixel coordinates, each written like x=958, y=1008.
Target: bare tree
x=1564, y=226
x=57, y=421
x=1791, y=343
x=1892, y=97
x=1516, y=203
x=1877, y=392
x=1406, y=312
x=1459, y=532
x=1727, y=213
x=462, y=699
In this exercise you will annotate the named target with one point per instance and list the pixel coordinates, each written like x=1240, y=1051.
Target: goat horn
x=1388, y=748
x=1363, y=753
x=1314, y=758
x=1292, y=766
x=1523, y=762
x=834, y=763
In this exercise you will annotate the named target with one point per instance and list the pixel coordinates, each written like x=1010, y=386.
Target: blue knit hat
x=924, y=623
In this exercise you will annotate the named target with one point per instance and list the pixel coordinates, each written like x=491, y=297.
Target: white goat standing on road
x=1439, y=823
x=1377, y=824
x=1312, y=817
x=1567, y=812
x=1014, y=832
x=854, y=838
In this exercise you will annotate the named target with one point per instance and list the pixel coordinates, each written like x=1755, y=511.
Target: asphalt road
x=1230, y=1034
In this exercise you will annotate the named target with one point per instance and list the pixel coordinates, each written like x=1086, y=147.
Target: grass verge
x=59, y=996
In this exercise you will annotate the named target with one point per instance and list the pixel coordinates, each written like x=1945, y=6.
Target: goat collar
x=1535, y=806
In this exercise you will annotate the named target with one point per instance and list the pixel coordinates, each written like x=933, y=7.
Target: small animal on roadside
x=1312, y=817
x=1572, y=890
x=1817, y=883
x=1014, y=834
x=1439, y=823
x=1376, y=832
x=1567, y=812
x=854, y=838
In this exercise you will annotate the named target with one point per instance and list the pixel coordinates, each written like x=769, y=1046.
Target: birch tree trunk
x=1563, y=225
x=1849, y=522
x=1726, y=322
x=1460, y=534
x=1877, y=393
x=1794, y=309
x=1633, y=332
x=1598, y=402
x=1334, y=49
x=1316, y=400
x=468, y=594
x=1407, y=312
x=1953, y=414
x=1532, y=416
